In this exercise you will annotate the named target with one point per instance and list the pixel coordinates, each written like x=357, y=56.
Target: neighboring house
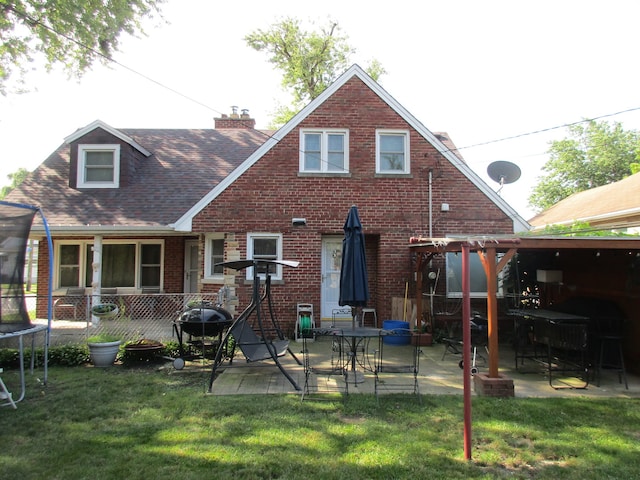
x=615, y=206
x=167, y=205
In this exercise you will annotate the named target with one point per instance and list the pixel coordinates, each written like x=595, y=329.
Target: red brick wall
x=174, y=264
x=270, y=194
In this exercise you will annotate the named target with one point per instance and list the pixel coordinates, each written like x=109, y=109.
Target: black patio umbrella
x=354, y=287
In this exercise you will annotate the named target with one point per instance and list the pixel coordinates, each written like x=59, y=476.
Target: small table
x=351, y=339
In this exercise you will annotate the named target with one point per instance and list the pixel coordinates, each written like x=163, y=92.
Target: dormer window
x=99, y=166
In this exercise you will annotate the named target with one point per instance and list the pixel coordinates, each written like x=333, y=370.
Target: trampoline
x=15, y=226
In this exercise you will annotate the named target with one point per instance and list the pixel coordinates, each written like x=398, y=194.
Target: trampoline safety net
x=15, y=225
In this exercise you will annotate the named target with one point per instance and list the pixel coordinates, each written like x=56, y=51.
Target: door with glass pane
x=191, y=266
x=330, y=289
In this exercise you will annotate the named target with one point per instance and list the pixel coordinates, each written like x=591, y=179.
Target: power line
x=550, y=128
x=31, y=20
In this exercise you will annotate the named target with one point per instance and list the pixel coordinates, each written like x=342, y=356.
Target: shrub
x=70, y=355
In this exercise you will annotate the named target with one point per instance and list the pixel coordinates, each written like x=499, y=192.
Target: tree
x=310, y=61
x=595, y=154
x=66, y=32
x=16, y=179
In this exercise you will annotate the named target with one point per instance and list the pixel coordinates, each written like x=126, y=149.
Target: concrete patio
x=437, y=376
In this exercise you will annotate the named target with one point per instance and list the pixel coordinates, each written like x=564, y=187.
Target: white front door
x=330, y=291
x=191, y=266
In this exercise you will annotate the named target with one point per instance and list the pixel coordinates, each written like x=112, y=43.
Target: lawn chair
x=396, y=375
x=73, y=299
x=314, y=374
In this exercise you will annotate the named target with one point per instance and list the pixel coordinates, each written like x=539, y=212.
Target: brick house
x=167, y=205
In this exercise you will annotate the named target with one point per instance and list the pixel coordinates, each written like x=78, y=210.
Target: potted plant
x=422, y=336
x=103, y=349
x=105, y=310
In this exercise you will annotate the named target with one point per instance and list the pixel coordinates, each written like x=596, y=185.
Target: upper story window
x=324, y=151
x=392, y=151
x=214, y=253
x=265, y=246
x=99, y=166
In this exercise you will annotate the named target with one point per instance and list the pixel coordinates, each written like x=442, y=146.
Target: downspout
x=430, y=204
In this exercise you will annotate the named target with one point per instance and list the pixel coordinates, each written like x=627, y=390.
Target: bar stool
x=364, y=316
x=610, y=353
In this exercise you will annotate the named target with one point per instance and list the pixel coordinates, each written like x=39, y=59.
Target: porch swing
x=261, y=339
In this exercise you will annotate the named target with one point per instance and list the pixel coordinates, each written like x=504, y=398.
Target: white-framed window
x=213, y=253
x=265, y=246
x=392, y=151
x=98, y=166
x=324, y=151
x=125, y=264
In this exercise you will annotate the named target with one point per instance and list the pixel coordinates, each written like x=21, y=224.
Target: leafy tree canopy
x=16, y=179
x=68, y=32
x=310, y=60
x=595, y=154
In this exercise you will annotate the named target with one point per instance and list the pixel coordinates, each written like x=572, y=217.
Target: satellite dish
x=503, y=172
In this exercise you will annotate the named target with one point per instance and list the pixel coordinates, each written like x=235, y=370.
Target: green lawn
x=154, y=422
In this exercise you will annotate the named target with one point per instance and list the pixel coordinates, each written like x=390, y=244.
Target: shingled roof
x=183, y=166
x=616, y=205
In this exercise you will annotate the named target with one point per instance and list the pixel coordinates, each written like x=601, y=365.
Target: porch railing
x=149, y=316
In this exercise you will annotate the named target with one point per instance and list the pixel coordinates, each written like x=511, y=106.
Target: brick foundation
x=493, y=387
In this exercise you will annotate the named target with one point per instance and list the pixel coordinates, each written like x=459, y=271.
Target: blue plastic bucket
x=401, y=338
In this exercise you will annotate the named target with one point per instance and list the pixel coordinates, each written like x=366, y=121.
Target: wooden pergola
x=487, y=248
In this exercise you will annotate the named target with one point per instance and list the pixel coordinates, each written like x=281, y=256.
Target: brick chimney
x=235, y=120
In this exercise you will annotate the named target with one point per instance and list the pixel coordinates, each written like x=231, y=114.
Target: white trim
x=407, y=151
x=519, y=223
x=183, y=224
x=207, y=256
x=600, y=219
x=117, y=133
x=83, y=266
x=255, y=235
x=324, y=149
x=83, y=149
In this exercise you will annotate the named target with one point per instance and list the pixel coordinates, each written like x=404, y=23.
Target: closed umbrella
x=354, y=287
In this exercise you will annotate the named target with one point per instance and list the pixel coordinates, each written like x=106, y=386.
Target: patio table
x=565, y=336
x=351, y=342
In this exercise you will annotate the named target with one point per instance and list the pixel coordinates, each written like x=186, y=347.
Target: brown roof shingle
x=183, y=167
x=617, y=199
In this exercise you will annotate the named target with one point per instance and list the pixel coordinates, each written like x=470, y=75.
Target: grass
x=155, y=422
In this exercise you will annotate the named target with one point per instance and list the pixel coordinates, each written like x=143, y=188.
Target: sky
x=488, y=73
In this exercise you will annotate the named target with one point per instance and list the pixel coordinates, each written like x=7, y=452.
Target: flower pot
x=422, y=339
x=105, y=310
x=103, y=354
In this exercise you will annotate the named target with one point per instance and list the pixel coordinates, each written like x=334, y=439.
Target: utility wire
x=31, y=20
x=550, y=128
